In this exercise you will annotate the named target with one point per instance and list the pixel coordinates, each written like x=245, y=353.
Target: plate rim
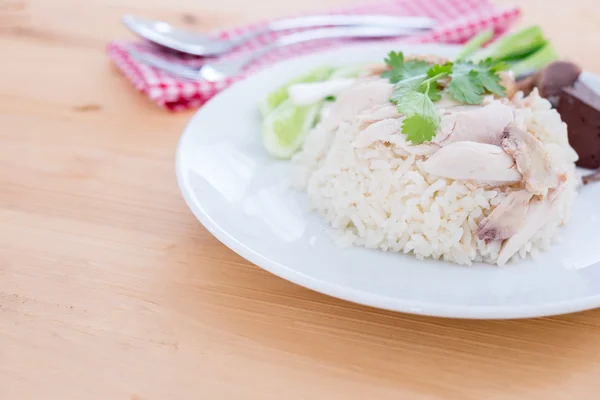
x=353, y=295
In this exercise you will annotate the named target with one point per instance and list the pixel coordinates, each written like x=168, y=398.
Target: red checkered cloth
x=458, y=20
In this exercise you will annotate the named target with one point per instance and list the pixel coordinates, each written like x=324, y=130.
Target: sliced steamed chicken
x=507, y=217
x=539, y=213
x=534, y=220
x=381, y=131
x=364, y=94
x=377, y=113
x=482, y=124
x=471, y=161
x=532, y=159
x=388, y=131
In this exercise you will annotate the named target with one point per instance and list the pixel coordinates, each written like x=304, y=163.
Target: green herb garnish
x=417, y=87
x=418, y=129
x=470, y=81
x=414, y=98
x=401, y=70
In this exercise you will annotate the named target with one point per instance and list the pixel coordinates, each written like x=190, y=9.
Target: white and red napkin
x=458, y=20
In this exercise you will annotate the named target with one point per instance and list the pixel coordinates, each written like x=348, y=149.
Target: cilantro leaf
x=400, y=69
x=412, y=84
x=414, y=98
x=486, y=72
x=436, y=72
x=409, y=102
x=491, y=82
x=418, y=129
x=417, y=86
x=439, y=69
x=464, y=86
x=414, y=68
x=470, y=81
x=432, y=90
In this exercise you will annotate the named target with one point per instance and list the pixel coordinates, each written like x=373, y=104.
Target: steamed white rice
x=378, y=196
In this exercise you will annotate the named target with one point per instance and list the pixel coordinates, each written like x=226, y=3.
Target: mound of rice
x=379, y=196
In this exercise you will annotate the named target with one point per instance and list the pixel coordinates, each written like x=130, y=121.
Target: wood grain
x=110, y=289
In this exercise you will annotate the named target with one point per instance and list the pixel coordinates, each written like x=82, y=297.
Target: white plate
x=240, y=195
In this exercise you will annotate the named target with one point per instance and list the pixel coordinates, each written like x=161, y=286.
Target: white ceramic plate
x=240, y=195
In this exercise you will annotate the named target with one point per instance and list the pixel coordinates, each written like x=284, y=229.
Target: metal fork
x=201, y=44
x=219, y=70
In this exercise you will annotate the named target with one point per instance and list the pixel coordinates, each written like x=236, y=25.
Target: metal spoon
x=200, y=44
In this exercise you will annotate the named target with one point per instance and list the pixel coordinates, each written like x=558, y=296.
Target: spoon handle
x=226, y=68
x=315, y=21
x=232, y=67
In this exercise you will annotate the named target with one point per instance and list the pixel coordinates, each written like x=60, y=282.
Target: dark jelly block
x=579, y=107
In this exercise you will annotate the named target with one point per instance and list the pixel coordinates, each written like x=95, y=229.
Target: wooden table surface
x=110, y=288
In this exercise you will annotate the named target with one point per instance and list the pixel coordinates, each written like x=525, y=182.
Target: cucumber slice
x=279, y=95
x=285, y=127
